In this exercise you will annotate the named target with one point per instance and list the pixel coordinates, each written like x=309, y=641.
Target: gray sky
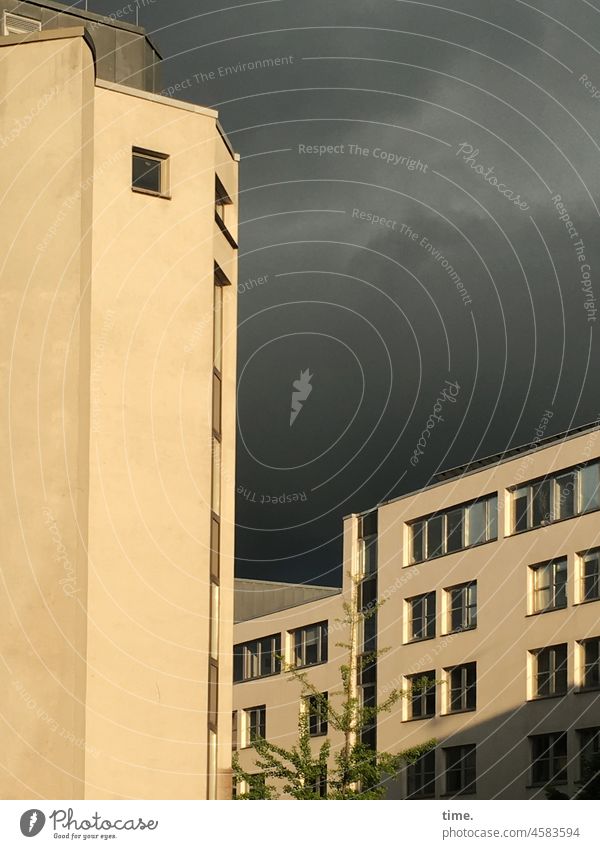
x=495, y=102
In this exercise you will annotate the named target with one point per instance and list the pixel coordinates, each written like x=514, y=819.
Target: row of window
x=459, y=689
x=568, y=493
x=305, y=646
x=452, y=530
x=459, y=612
x=215, y=542
x=253, y=721
x=254, y=787
x=547, y=590
x=548, y=757
x=547, y=676
x=549, y=668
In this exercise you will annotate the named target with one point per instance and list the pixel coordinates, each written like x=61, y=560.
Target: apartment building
x=490, y=583
x=301, y=625
x=118, y=238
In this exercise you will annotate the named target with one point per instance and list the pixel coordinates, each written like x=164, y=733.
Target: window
x=257, y=658
x=589, y=748
x=421, y=616
x=550, y=671
x=319, y=785
x=216, y=419
x=317, y=711
x=421, y=701
x=222, y=199
x=589, y=564
x=218, y=328
x=563, y=495
x=216, y=476
x=454, y=529
x=590, y=667
x=19, y=24
x=462, y=607
x=255, y=724
x=460, y=769
x=368, y=545
x=234, y=731
x=212, y=764
x=420, y=776
x=462, y=687
x=213, y=693
x=256, y=786
x=589, y=487
x=214, y=621
x=549, y=585
x=310, y=644
x=368, y=699
x=149, y=172
x=548, y=759
x=215, y=540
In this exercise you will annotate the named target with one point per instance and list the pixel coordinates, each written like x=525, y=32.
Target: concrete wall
x=504, y=634
x=46, y=161
x=107, y=384
x=281, y=693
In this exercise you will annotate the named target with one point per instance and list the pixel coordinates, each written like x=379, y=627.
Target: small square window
x=149, y=173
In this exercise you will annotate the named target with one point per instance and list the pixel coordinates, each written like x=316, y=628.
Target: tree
x=352, y=771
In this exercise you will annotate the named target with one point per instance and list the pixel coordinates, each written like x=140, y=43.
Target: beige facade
x=118, y=432
x=490, y=580
x=277, y=692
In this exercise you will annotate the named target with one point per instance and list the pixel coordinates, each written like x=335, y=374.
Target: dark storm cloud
x=373, y=313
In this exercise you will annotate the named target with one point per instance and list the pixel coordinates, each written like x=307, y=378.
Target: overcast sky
x=492, y=300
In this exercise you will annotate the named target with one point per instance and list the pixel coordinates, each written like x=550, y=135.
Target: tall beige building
x=490, y=583
x=118, y=231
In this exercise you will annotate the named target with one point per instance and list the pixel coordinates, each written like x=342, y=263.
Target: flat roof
x=474, y=466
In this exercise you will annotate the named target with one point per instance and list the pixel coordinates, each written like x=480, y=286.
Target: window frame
x=585, y=666
x=468, y=608
x=556, y=775
x=164, y=172
x=555, y=566
x=426, y=696
x=420, y=528
x=416, y=775
x=298, y=637
x=425, y=599
x=317, y=714
x=466, y=753
x=584, y=557
x=526, y=490
x=255, y=719
x=243, y=650
x=593, y=732
x=463, y=689
x=553, y=671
